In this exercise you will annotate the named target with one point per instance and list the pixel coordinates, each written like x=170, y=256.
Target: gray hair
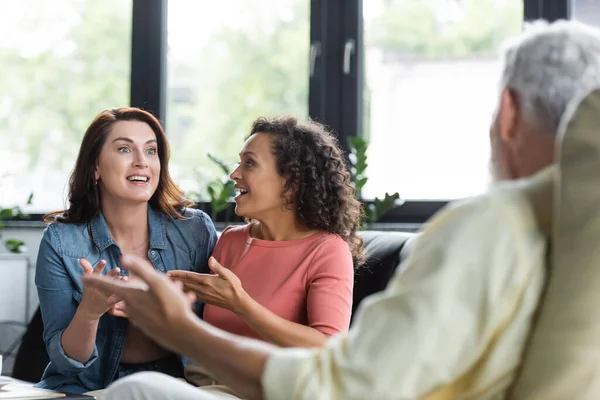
x=548, y=65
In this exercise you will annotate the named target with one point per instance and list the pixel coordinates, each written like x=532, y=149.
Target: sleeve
x=330, y=281
x=431, y=323
x=206, y=241
x=57, y=305
x=219, y=246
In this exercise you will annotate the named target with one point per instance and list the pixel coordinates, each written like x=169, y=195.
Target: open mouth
x=241, y=191
x=138, y=178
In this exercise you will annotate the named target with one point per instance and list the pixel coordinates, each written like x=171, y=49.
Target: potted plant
x=12, y=245
x=221, y=192
x=375, y=209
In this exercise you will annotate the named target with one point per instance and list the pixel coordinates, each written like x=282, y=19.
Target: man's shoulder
x=504, y=209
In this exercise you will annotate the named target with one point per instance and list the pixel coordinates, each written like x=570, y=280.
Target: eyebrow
x=247, y=153
x=131, y=141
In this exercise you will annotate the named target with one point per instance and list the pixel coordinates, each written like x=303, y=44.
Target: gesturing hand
x=95, y=302
x=223, y=289
x=152, y=302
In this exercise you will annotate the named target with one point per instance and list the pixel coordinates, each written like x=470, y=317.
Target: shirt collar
x=101, y=235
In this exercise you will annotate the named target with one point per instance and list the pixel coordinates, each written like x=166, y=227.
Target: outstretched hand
x=222, y=288
x=152, y=302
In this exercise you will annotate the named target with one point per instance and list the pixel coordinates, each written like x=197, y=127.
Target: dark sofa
x=385, y=251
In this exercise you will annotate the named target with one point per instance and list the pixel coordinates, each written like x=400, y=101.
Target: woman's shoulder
x=194, y=213
x=331, y=241
x=236, y=232
x=195, y=217
x=332, y=252
x=67, y=238
x=66, y=231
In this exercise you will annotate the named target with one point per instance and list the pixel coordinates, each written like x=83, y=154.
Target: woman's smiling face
x=257, y=181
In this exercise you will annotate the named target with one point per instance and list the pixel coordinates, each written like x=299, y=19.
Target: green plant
x=220, y=190
x=358, y=160
x=13, y=245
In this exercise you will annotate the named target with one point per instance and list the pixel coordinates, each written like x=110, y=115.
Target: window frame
x=335, y=89
x=349, y=25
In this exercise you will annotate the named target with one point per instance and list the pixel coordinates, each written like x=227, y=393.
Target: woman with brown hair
x=121, y=200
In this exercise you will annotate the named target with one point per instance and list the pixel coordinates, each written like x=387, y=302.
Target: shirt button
x=162, y=269
x=152, y=252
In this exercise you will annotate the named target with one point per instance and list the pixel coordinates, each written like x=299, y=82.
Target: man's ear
x=508, y=115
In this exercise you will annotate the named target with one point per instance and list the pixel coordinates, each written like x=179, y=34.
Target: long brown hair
x=84, y=196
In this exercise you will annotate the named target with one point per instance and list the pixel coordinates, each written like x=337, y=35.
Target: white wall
x=18, y=295
x=31, y=234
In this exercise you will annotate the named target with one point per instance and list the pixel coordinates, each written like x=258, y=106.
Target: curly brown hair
x=311, y=160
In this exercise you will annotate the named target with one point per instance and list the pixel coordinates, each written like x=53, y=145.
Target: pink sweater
x=308, y=281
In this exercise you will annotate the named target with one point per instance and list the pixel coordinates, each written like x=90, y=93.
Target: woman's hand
x=153, y=303
x=118, y=310
x=95, y=303
x=223, y=289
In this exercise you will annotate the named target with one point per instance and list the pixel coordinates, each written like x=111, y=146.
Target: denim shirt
x=184, y=244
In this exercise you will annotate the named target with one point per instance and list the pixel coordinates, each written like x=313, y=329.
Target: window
x=62, y=63
x=227, y=64
x=431, y=76
x=586, y=11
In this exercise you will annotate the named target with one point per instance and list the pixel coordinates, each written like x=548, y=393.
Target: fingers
x=192, y=287
x=189, y=276
x=218, y=269
x=191, y=297
x=118, y=313
x=100, y=267
x=186, y=275
x=119, y=310
x=214, y=265
x=157, y=282
x=113, y=299
x=188, y=290
x=141, y=268
x=85, y=264
x=199, y=293
x=178, y=274
x=108, y=286
x=114, y=273
x=179, y=285
x=119, y=305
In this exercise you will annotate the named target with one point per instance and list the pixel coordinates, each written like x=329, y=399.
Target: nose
x=139, y=160
x=235, y=174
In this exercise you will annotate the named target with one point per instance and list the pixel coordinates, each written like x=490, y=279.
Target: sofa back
x=385, y=252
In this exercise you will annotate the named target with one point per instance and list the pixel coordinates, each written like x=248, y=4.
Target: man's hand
x=152, y=302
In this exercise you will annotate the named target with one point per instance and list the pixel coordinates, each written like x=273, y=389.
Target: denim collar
x=101, y=235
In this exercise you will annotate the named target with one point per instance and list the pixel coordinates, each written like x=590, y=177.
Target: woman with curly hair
x=287, y=276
